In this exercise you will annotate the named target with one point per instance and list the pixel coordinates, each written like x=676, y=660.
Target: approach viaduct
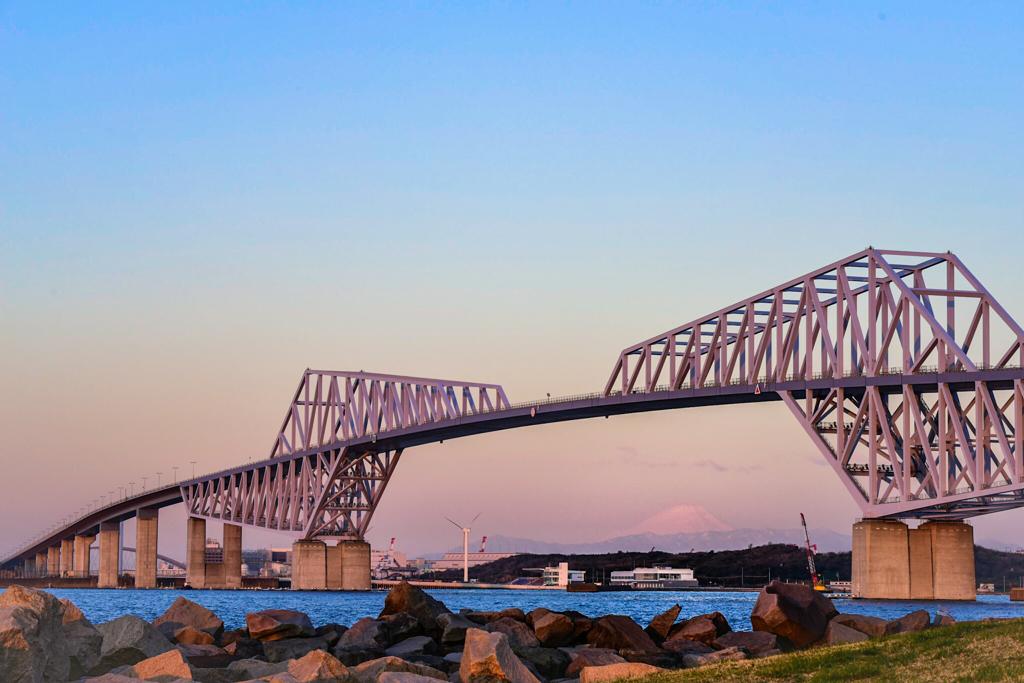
x=901, y=367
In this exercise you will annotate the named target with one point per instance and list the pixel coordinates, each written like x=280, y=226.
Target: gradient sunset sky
x=197, y=203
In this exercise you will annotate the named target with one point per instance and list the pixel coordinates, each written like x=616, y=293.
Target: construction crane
x=815, y=579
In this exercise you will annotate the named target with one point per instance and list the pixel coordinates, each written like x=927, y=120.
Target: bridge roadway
x=530, y=414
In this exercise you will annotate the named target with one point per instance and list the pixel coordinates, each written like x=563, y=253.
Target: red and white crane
x=811, y=549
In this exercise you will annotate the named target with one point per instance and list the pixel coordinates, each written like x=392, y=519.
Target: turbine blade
x=477, y=516
x=459, y=526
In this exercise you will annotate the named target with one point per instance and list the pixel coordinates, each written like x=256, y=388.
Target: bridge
x=904, y=371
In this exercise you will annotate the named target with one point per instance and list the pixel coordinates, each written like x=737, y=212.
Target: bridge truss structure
x=904, y=371
x=917, y=419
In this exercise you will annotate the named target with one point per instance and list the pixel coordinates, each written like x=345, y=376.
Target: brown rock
x=754, y=642
x=404, y=677
x=662, y=623
x=128, y=640
x=417, y=645
x=837, y=634
x=793, y=611
x=487, y=658
x=319, y=667
x=583, y=657
x=663, y=659
x=614, y=672
x=190, y=636
x=533, y=614
x=83, y=639
x=277, y=624
x=915, y=621
x=943, y=620
x=190, y=650
x=552, y=629
x=581, y=625
x=406, y=598
x=513, y=613
x=619, y=632
x=550, y=662
x=169, y=665
x=704, y=628
x=401, y=626
x=367, y=634
x=244, y=648
x=33, y=646
x=482, y=618
x=370, y=672
x=453, y=628
x=518, y=633
x=292, y=648
x=184, y=612
x=687, y=647
x=730, y=654
x=871, y=626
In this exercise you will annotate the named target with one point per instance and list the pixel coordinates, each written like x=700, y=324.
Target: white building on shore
x=655, y=577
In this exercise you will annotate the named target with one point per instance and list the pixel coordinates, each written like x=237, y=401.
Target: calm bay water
x=347, y=608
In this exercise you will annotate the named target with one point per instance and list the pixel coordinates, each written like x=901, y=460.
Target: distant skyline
x=197, y=203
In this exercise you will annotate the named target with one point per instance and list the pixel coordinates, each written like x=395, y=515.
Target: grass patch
x=963, y=653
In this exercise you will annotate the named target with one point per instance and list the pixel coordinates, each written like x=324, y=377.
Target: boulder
x=532, y=668
x=189, y=635
x=915, y=621
x=292, y=648
x=244, y=648
x=837, y=634
x=730, y=654
x=687, y=647
x=614, y=672
x=581, y=625
x=482, y=618
x=663, y=659
x=83, y=639
x=943, y=620
x=619, y=632
x=417, y=645
x=406, y=598
x=582, y=657
x=402, y=625
x=405, y=677
x=754, y=642
x=487, y=658
x=794, y=611
x=128, y=640
x=168, y=665
x=252, y=669
x=433, y=661
x=533, y=614
x=319, y=667
x=184, y=612
x=370, y=672
x=117, y=678
x=549, y=662
x=552, y=629
x=33, y=643
x=662, y=624
x=703, y=627
x=354, y=658
x=277, y=624
x=454, y=627
x=513, y=613
x=367, y=634
x=190, y=650
x=518, y=633
x=872, y=626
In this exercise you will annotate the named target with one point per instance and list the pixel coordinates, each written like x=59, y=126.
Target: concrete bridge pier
x=82, y=555
x=110, y=554
x=232, y=556
x=318, y=566
x=67, y=549
x=195, y=552
x=41, y=559
x=145, y=548
x=53, y=560
x=30, y=567
x=933, y=562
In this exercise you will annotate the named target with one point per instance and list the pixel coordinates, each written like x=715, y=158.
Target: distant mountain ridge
x=828, y=541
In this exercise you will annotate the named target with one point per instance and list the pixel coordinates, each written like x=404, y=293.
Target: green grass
x=957, y=654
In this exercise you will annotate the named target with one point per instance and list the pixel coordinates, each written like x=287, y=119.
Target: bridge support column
x=110, y=550
x=232, y=556
x=933, y=562
x=334, y=567
x=41, y=563
x=195, y=552
x=309, y=565
x=145, y=548
x=83, y=544
x=30, y=568
x=53, y=561
x=355, y=565
x=67, y=551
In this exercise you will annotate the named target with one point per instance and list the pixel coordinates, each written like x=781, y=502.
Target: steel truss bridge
x=903, y=370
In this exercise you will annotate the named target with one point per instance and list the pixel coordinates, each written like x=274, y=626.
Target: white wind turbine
x=465, y=547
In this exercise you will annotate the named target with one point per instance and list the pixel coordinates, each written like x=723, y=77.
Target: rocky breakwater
x=415, y=639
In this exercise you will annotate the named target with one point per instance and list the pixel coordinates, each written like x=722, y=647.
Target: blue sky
x=197, y=203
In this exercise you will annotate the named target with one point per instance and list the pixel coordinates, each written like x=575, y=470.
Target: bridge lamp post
x=132, y=484
x=193, y=468
x=111, y=497
x=175, y=474
x=158, y=479
x=144, y=483
x=104, y=500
